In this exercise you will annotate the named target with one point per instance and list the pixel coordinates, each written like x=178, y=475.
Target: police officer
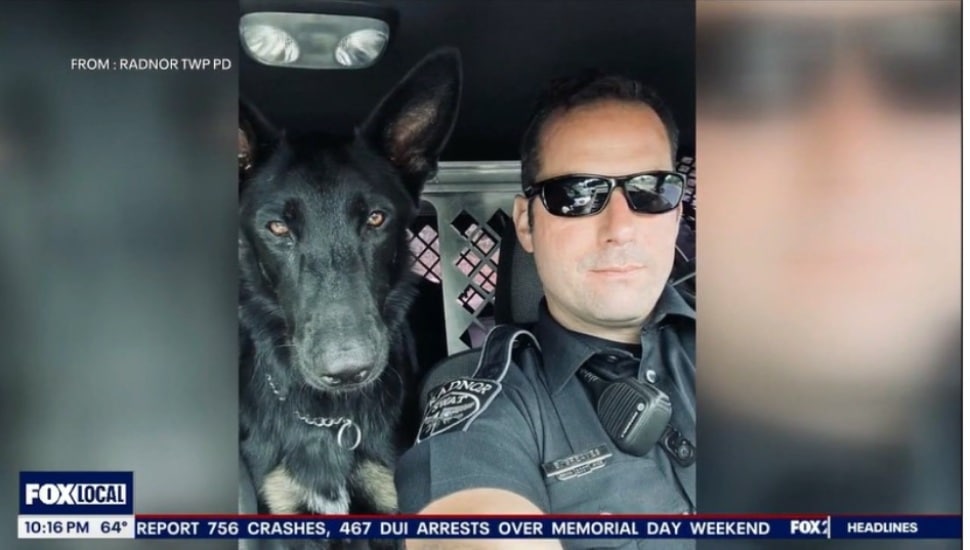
x=600, y=214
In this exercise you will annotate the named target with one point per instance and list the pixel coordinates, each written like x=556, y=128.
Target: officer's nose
x=617, y=220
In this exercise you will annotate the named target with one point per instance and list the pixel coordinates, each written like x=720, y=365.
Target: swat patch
x=456, y=403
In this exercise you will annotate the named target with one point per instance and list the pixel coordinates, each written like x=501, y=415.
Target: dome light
x=312, y=40
x=360, y=48
x=270, y=45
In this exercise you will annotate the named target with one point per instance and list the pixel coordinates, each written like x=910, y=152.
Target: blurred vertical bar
x=829, y=286
x=117, y=239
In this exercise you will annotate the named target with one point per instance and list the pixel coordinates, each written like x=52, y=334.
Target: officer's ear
x=522, y=218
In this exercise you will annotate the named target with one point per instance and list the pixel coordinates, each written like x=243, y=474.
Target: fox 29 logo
x=91, y=493
x=810, y=527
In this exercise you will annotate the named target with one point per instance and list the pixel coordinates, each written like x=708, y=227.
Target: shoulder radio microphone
x=636, y=415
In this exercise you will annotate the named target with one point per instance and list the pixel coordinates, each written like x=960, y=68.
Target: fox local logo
x=75, y=494
x=818, y=527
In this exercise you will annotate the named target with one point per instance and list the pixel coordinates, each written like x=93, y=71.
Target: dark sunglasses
x=765, y=64
x=575, y=195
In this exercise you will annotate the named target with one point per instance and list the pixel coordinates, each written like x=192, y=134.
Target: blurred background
x=117, y=254
x=829, y=289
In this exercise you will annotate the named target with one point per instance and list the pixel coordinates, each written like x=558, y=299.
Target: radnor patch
x=456, y=403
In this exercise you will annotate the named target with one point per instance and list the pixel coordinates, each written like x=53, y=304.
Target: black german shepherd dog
x=325, y=286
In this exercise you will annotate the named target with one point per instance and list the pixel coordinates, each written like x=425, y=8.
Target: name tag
x=577, y=465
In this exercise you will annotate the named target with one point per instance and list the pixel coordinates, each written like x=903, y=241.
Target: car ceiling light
x=360, y=48
x=313, y=41
x=270, y=45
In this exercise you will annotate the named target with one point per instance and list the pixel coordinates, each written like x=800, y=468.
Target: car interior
x=474, y=273
x=509, y=49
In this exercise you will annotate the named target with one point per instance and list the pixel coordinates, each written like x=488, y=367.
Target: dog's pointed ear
x=256, y=138
x=411, y=125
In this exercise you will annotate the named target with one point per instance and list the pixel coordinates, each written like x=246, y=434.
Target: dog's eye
x=376, y=219
x=278, y=228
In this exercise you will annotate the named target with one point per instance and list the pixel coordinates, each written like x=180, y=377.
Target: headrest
x=517, y=290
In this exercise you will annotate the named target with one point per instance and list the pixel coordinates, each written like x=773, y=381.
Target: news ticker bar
x=541, y=527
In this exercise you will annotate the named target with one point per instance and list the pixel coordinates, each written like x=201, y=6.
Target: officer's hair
x=591, y=86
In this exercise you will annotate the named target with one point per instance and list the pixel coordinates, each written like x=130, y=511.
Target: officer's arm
x=482, y=502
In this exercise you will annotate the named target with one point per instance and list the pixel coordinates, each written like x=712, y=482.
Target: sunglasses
x=576, y=195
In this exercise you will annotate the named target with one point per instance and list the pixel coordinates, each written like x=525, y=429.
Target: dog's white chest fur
x=284, y=495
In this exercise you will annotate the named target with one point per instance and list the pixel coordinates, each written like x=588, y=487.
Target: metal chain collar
x=348, y=428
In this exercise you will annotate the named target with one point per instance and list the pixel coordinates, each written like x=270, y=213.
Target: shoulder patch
x=456, y=404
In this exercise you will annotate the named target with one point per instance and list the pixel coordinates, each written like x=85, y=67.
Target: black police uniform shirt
x=543, y=415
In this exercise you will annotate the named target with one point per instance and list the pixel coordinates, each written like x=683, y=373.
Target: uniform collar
x=563, y=352
x=670, y=303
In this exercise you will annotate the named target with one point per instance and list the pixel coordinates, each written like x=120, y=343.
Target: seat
x=517, y=287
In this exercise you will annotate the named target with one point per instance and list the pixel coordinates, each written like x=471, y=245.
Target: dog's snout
x=342, y=352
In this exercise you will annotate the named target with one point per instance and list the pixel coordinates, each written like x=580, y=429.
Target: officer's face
x=602, y=274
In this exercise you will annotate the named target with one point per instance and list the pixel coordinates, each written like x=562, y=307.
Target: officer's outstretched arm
x=482, y=502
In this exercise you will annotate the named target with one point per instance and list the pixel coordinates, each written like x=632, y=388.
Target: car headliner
x=510, y=49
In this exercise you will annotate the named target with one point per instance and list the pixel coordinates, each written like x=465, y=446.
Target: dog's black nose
x=346, y=376
x=343, y=363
